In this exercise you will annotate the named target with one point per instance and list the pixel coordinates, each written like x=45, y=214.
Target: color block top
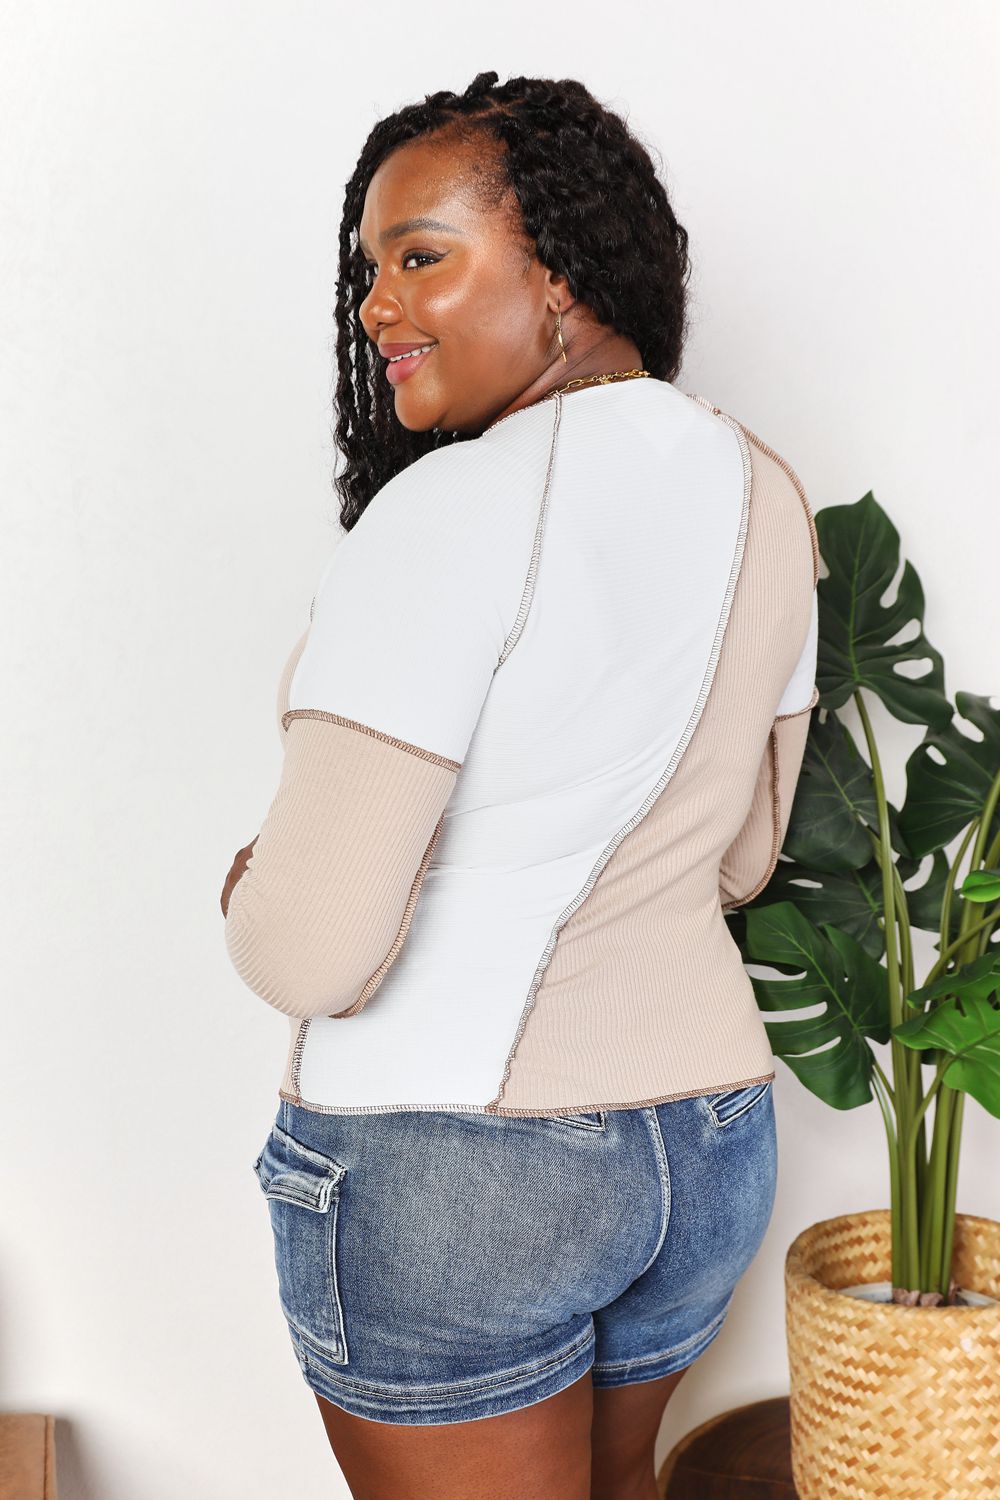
x=544, y=727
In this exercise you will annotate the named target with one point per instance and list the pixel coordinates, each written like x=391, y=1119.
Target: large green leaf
x=853, y=902
x=966, y=1027
x=860, y=546
x=948, y=777
x=828, y=866
x=923, y=902
x=834, y=802
x=838, y=974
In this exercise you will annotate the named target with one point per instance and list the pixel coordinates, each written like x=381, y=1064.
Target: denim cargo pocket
x=732, y=1104
x=302, y=1188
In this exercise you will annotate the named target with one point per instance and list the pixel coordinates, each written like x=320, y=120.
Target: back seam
x=663, y=1168
x=651, y=797
x=528, y=592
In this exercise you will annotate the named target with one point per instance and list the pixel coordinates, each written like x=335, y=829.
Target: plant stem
x=951, y=1192
x=970, y=944
x=932, y=1227
x=949, y=885
x=985, y=819
x=890, y=1092
x=905, y=1223
x=917, y=1146
x=941, y=962
x=930, y=1208
x=879, y=1085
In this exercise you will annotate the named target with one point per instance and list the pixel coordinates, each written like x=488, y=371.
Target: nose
x=378, y=309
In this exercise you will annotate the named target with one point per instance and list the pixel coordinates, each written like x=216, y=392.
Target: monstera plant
x=838, y=914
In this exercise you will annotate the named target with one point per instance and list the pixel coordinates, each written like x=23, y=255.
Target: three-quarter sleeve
x=407, y=629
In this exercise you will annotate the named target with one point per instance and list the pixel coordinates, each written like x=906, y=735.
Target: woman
x=544, y=727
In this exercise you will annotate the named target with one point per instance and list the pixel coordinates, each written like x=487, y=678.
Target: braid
x=590, y=200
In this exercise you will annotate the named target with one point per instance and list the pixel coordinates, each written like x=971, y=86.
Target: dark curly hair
x=590, y=200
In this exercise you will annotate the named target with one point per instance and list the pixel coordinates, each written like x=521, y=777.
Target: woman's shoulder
x=771, y=469
x=472, y=484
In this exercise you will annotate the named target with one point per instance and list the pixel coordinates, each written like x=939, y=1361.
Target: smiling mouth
x=395, y=359
x=405, y=366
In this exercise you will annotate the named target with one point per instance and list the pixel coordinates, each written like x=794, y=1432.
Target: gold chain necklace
x=607, y=379
x=598, y=379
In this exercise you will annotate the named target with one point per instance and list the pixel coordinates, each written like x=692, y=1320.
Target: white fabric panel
x=412, y=609
x=799, y=688
x=638, y=553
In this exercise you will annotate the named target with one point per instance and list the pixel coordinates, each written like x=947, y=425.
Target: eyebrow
x=407, y=226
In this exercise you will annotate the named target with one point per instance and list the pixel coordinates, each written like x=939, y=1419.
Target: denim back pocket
x=302, y=1188
x=733, y=1104
x=592, y=1120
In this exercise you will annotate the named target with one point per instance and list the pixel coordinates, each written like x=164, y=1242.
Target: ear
x=558, y=294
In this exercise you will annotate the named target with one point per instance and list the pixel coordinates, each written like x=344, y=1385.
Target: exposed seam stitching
x=467, y=1387
x=648, y=1359
x=775, y=807
x=797, y=711
x=527, y=593
x=679, y=749
x=296, y=1069
x=663, y=1170
x=775, y=819
x=376, y=734
x=482, y=1109
x=765, y=448
x=375, y=979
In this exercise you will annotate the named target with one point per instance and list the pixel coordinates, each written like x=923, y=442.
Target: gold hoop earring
x=562, y=346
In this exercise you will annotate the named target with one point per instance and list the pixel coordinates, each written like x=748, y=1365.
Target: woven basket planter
x=888, y=1400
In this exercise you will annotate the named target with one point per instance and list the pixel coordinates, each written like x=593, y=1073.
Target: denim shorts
x=436, y=1266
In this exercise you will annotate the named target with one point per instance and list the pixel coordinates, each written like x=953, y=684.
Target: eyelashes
x=368, y=267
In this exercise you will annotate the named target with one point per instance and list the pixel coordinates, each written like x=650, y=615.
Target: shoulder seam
x=796, y=481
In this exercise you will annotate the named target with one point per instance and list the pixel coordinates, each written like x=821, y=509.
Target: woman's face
x=463, y=281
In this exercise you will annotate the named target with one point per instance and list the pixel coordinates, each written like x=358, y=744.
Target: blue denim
x=435, y=1266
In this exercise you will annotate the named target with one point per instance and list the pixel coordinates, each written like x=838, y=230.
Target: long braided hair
x=590, y=200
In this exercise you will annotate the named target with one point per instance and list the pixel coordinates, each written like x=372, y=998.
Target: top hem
x=482, y=1109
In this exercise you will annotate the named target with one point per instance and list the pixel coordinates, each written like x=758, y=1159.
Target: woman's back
x=607, y=603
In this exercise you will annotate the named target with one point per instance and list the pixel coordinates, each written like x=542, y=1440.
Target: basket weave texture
x=885, y=1399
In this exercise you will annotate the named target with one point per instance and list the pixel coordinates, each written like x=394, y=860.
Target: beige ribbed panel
x=645, y=997
x=366, y=810
x=741, y=877
x=285, y=680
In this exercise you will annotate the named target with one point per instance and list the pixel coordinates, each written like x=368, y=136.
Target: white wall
x=170, y=192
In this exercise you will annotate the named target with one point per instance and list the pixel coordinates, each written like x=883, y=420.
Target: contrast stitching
x=300, y=1042
x=813, y=539
x=471, y=1385
x=797, y=711
x=376, y=979
x=721, y=1121
x=663, y=1169
x=775, y=824
x=650, y=1359
x=732, y=901
x=527, y=592
x=681, y=746
x=376, y=734
x=542, y=1114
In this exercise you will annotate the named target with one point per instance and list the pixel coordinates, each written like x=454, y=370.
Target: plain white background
x=170, y=198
